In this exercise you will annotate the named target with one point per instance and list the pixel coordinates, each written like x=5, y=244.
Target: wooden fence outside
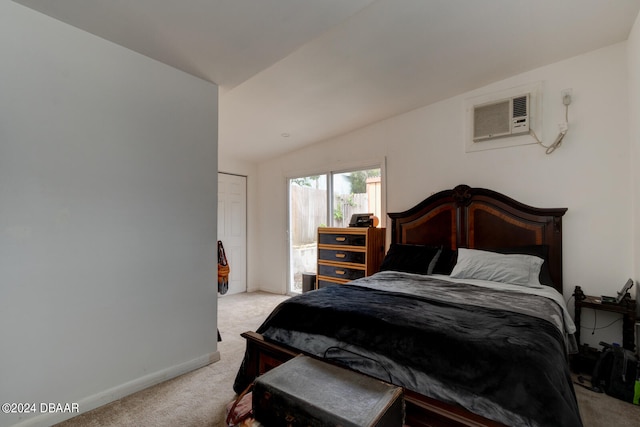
x=309, y=210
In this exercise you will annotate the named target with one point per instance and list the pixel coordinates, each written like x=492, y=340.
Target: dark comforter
x=455, y=342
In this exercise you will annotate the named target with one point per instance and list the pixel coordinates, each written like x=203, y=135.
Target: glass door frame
x=352, y=167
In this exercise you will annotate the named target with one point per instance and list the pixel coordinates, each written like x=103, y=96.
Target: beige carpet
x=600, y=410
x=198, y=399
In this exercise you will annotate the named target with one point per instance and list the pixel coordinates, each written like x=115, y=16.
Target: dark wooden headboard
x=477, y=218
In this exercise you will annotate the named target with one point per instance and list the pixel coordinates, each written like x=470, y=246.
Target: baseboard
x=100, y=399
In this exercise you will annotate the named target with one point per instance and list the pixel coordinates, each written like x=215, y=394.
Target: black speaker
x=308, y=282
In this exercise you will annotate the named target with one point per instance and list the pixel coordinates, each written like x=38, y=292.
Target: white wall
x=589, y=174
x=108, y=175
x=633, y=51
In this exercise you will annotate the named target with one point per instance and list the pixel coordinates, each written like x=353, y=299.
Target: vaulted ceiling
x=295, y=72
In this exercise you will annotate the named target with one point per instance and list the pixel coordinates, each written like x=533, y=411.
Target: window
x=323, y=200
x=355, y=192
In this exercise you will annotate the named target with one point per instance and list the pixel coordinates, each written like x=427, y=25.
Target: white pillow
x=516, y=269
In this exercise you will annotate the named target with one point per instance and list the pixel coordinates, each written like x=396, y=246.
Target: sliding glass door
x=327, y=200
x=307, y=211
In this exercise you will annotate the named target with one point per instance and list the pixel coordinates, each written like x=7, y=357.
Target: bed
x=467, y=315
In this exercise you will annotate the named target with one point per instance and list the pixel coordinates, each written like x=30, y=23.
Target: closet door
x=232, y=227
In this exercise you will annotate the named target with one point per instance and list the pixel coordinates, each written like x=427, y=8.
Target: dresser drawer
x=342, y=239
x=340, y=272
x=342, y=256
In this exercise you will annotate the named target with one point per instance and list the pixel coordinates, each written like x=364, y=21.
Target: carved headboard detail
x=478, y=218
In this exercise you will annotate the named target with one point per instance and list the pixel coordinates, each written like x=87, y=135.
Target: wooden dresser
x=346, y=254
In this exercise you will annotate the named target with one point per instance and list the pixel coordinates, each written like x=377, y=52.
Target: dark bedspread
x=501, y=364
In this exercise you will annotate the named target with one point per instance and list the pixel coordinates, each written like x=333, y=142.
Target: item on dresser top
x=361, y=220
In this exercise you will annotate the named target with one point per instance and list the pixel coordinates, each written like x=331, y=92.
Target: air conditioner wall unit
x=503, y=118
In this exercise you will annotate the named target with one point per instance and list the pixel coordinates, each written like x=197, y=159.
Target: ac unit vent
x=520, y=106
x=499, y=119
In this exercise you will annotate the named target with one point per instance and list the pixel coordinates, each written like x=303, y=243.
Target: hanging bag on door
x=223, y=270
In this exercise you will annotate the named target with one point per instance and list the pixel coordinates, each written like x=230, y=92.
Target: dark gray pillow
x=409, y=258
x=445, y=262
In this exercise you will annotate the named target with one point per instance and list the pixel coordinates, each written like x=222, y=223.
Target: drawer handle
x=340, y=239
x=340, y=255
x=340, y=272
